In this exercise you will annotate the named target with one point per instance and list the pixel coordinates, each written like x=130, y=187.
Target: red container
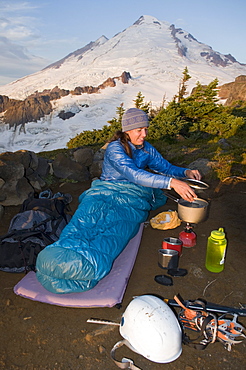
x=172, y=243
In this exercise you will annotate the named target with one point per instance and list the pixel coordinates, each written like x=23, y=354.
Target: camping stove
x=188, y=237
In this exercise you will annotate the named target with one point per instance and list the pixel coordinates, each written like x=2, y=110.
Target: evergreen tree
x=140, y=104
x=198, y=113
x=116, y=122
x=183, y=85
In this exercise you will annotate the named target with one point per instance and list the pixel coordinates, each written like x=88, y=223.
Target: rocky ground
x=40, y=336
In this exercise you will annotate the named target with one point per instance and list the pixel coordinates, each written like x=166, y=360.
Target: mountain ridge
x=100, y=59
x=79, y=52
x=153, y=52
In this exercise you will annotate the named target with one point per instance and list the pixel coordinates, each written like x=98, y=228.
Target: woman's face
x=138, y=135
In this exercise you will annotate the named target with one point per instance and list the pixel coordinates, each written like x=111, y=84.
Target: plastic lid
x=218, y=234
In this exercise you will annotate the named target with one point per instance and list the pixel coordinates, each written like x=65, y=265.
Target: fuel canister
x=188, y=237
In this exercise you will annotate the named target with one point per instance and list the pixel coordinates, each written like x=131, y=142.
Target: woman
x=111, y=211
x=128, y=155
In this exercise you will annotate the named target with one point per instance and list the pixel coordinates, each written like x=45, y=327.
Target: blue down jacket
x=118, y=166
x=108, y=216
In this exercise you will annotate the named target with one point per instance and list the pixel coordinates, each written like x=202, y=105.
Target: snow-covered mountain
x=155, y=54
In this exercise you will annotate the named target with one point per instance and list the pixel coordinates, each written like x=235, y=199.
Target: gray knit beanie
x=134, y=118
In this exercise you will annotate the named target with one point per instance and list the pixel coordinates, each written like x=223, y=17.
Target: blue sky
x=51, y=29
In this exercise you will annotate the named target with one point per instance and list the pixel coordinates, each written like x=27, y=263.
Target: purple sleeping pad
x=107, y=293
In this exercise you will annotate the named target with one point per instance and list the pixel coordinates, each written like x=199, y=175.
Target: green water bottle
x=216, y=249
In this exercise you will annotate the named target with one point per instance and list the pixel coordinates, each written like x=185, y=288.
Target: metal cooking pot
x=192, y=212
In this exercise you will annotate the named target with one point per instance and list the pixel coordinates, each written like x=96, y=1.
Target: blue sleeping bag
x=108, y=216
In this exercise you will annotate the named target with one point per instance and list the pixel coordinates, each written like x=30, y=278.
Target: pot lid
x=196, y=184
x=164, y=280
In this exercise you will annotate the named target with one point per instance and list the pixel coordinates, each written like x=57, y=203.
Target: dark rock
x=1, y=211
x=2, y=182
x=65, y=115
x=3, y=196
x=36, y=181
x=6, y=102
x=215, y=58
x=43, y=167
x=65, y=168
x=18, y=176
x=182, y=50
x=15, y=192
x=110, y=82
x=204, y=166
x=34, y=160
x=27, y=158
x=29, y=171
x=224, y=144
x=233, y=91
x=37, y=105
x=99, y=155
x=29, y=110
x=84, y=156
x=84, y=90
x=55, y=93
x=10, y=170
x=23, y=172
x=125, y=77
x=96, y=169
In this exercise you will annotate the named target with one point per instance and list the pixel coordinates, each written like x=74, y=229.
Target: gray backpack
x=38, y=224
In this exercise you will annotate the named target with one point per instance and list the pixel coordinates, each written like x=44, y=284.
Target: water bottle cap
x=218, y=234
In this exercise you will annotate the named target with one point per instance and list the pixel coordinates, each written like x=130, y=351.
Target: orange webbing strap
x=189, y=314
x=125, y=363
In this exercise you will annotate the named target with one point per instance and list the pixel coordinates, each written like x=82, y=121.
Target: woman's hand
x=183, y=189
x=193, y=174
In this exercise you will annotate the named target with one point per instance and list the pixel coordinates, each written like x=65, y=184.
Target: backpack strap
x=125, y=363
x=25, y=233
x=31, y=257
x=54, y=206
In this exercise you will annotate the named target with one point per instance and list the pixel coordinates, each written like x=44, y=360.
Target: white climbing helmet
x=151, y=329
